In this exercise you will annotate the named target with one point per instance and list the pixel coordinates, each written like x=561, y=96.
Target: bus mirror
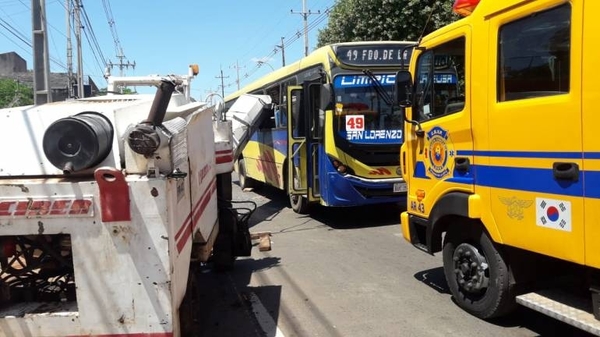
x=403, y=88
x=326, y=94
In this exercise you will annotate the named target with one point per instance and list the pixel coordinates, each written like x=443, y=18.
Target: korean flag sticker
x=555, y=214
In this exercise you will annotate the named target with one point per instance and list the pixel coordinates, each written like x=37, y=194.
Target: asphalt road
x=342, y=272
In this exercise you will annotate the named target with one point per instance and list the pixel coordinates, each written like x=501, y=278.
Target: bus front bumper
x=349, y=190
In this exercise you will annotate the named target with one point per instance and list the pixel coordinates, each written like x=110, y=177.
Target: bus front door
x=297, y=182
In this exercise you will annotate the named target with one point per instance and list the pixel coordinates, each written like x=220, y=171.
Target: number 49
x=355, y=123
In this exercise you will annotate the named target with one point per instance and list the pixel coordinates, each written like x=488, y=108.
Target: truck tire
x=477, y=274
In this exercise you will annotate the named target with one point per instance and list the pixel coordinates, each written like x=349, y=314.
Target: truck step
x=572, y=310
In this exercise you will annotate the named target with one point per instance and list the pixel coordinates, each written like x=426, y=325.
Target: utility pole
x=41, y=64
x=305, y=15
x=237, y=69
x=70, y=81
x=222, y=84
x=77, y=13
x=121, y=65
x=282, y=47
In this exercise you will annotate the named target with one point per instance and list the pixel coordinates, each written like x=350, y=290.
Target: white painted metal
x=131, y=276
x=245, y=116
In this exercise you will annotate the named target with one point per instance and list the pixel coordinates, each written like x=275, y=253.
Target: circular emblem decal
x=438, y=152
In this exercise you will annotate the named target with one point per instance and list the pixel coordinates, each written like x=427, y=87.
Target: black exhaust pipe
x=160, y=103
x=143, y=139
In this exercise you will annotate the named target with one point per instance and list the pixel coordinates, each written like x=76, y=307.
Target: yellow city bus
x=334, y=135
x=504, y=178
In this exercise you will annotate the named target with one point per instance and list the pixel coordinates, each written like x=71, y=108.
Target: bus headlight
x=340, y=166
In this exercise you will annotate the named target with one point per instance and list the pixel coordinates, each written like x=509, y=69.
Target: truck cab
x=499, y=155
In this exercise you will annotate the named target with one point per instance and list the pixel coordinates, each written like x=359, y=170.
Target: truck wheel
x=245, y=182
x=477, y=274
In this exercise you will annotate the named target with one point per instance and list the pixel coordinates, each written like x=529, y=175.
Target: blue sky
x=164, y=37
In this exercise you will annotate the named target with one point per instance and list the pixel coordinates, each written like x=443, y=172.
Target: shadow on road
x=542, y=325
x=335, y=217
x=435, y=279
x=358, y=217
x=226, y=300
x=277, y=200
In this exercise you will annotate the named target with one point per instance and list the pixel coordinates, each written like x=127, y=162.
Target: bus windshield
x=362, y=115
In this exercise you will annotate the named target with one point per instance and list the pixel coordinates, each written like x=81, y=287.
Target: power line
x=305, y=15
x=318, y=20
x=118, y=47
x=92, y=37
x=222, y=85
x=16, y=33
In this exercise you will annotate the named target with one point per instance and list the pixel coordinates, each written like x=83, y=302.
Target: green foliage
x=13, y=93
x=126, y=91
x=382, y=20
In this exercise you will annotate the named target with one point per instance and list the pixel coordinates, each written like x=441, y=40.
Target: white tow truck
x=107, y=204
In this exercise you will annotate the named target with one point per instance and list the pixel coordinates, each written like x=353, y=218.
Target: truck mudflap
x=563, y=307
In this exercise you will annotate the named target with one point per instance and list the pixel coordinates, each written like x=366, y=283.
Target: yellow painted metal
x=522, y=135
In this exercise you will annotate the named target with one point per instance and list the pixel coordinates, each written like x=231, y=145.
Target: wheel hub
x=471, y=268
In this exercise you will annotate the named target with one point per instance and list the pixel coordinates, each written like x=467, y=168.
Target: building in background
x=14, y=67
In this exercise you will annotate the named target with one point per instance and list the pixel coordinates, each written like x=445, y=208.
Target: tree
x=382, y=20
x=13, y=93
x=126, y=91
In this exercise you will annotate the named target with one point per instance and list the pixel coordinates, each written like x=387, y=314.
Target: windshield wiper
x=378, y=87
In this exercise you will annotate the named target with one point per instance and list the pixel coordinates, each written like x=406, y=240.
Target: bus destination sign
x=374, y=55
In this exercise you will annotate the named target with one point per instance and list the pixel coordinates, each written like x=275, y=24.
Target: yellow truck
x=502, y=158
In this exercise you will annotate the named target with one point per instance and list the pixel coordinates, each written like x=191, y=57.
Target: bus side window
x=274, y=118
x=298, y=124
x=317, y=115
x=284, y=102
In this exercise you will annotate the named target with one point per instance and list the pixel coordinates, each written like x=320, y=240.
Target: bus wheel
x=245, y=182
x=299, y=203
x=477, y=273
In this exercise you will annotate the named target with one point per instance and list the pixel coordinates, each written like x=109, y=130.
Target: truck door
x=436, y=162
x=591, y=145
x=534, y=151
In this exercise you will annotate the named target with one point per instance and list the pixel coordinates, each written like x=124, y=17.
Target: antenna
x=427, y=22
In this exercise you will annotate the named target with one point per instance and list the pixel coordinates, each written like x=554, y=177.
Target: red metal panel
x=114, y=194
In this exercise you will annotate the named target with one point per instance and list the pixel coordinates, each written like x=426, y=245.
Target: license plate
x=400, y=187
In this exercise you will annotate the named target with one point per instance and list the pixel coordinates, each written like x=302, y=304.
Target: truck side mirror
x=403, y=88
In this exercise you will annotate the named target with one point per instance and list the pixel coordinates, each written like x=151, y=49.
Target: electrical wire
x=287, y=42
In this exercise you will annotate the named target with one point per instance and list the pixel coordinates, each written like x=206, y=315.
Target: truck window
x=534, y=56
x=440, y=80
